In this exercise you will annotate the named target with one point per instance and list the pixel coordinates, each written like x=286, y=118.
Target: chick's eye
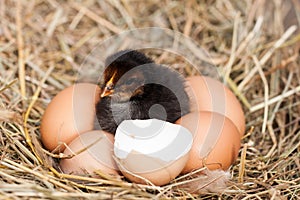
x=110, y=86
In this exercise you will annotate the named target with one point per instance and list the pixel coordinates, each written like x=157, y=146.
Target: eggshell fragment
x=71, y=112
x=155, y=170
x=92, y=151
x=207, y=94
x=216, y=140
x=153, y=149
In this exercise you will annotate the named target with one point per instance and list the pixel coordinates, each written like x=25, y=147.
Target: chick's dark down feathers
x=161, y=96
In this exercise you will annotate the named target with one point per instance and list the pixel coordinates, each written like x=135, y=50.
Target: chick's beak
x=106, y=92
x=109, y=87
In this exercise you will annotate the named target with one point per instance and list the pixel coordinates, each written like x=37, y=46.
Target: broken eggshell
x=152, y=150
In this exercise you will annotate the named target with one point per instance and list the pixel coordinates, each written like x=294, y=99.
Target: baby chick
x=134, y=87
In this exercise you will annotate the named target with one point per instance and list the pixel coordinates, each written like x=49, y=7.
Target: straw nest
x=254, y=44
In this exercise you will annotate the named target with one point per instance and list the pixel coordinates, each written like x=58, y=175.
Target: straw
x=46, y=44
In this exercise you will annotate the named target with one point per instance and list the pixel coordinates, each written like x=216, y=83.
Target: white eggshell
x=153, y=149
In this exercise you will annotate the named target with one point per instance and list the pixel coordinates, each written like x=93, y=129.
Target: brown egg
x=207, y=94
x=93, y=151
x=216, y=140
x=71, y=112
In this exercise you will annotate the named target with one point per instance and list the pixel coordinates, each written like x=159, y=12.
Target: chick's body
x=134, y=87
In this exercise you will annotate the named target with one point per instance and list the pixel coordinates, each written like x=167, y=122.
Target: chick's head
x=123, y=78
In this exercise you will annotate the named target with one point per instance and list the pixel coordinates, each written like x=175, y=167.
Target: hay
x=255, y=44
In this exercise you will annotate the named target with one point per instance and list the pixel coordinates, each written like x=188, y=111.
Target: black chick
x=134, y=87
